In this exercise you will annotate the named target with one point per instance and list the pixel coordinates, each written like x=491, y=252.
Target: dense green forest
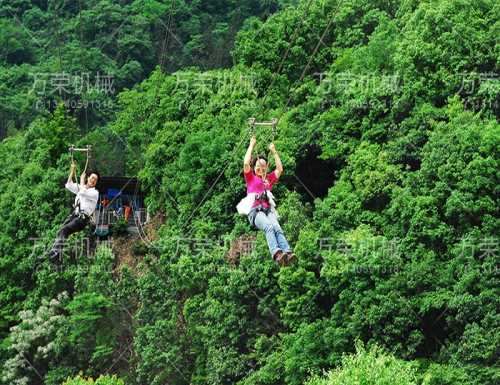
x=389, y=136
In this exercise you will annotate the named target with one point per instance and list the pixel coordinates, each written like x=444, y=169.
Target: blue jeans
x=274, y=234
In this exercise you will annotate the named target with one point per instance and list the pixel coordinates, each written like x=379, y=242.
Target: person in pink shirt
x=262, y=214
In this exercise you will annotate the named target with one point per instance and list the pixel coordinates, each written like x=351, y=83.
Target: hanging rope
x=282, y=62
x=315, y=51
x=138, y=221
x=253, y=123
x=87, y=150
x=82, y=57
x=58, y=33
x=88, y=158
x=98, y=227
x=164, y=47
x=274, y=122
x=120, y=192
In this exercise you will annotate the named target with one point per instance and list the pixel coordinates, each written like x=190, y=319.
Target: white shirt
x=87, y=197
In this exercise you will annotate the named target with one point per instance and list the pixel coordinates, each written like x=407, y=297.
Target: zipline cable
x=320, y=41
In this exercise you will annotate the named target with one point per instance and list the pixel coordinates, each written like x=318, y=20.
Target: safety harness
x=262, y=197
x=77, y=211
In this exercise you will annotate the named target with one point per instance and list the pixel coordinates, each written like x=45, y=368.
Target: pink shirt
x=256, y=185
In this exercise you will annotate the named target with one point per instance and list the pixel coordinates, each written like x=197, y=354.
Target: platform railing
x=110, y=216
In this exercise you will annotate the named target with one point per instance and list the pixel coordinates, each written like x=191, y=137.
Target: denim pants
x=274, y=234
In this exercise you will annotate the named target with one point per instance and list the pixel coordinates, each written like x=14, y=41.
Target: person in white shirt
x=84, y=206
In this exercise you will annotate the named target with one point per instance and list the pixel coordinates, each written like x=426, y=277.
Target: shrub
x=373, y=367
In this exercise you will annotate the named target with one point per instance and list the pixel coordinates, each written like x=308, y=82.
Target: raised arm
x=277, y=160
x=248, y=155
x=82, y=178
x=70, y=185
x=72, y=170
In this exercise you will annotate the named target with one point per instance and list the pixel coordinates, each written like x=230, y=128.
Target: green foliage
x=101, y=380
x=119, y=227
x=91, y=327
x=370, y=367
x=124, y=41
x=437, y=374
x=29, y=202
x=15, y=43
x=395, y=230
x=32, y=343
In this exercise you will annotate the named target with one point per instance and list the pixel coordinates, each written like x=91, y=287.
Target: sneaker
x=290, y=257
x=279, y=257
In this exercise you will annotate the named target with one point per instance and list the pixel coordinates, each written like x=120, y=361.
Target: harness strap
x=254, y=211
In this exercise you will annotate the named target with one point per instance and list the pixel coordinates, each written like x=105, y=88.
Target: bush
x=373, y=367
x=437, y=374
x=101, y=380
x=120, y=227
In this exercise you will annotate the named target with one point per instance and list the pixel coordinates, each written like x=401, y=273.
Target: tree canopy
x=389, y=137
